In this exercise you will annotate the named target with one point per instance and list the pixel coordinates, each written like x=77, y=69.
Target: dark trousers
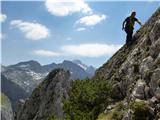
x=129, y=32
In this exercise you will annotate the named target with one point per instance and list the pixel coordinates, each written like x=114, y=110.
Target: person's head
x=133, y=14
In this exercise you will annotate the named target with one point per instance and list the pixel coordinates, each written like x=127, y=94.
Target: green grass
x=116, y=113
x=140, y=110
x=5, y=102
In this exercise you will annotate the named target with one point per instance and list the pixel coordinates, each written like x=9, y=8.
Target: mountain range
x=30, y=73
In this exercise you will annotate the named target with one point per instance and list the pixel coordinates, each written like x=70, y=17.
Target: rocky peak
x=46, y=99
x=29, y=63
x=88, y=69
x=78, y=62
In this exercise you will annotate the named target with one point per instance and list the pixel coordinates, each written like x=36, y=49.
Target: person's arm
x=138, y=22
x=123, y=24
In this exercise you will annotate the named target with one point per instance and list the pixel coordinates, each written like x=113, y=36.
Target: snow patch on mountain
x=36, y=76
x=82, y=66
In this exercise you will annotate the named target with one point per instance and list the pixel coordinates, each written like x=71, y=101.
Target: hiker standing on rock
x=129, y=26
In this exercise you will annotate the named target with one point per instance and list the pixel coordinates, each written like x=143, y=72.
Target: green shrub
x=116, y=113
x=140, y=109
x=52, y=118
x=87, y=98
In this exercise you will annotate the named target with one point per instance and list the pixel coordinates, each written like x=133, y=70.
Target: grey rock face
x=46, y=99
x=155, y=79
x=139, y=90
x=13, y=91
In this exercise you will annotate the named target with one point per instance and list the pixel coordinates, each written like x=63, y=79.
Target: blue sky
x=52, y=32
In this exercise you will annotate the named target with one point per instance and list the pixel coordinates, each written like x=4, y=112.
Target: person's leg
x=127, y=38
x=128, y=35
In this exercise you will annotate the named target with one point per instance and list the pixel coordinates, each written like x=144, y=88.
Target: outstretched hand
x=140, y=23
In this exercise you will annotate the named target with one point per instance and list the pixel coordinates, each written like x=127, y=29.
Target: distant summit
x=88, y=69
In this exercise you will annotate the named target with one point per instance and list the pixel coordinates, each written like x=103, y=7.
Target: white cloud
x=84, y=50
x=32, y=30
x=90, y=50
x=80, y=29
x=91, y=20
x=66, y=7
x=3, y=17
x=45, y=53
x=2, y=36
